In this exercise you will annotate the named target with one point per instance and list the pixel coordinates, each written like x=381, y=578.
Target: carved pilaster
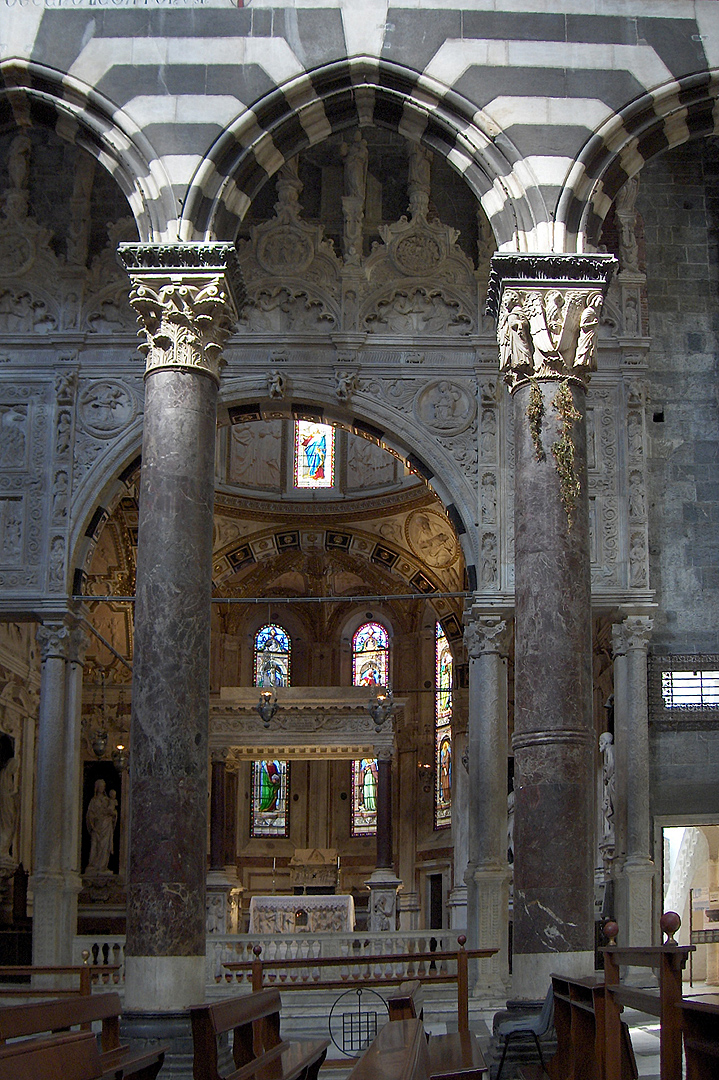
x=187, y=298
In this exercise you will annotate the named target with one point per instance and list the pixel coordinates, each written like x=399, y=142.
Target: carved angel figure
x=588, y=329
x=515, y=342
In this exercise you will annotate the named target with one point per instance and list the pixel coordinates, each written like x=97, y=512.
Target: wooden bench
x=398, y=1053
x=258, y=1049
x=700, y=1026
x=38, y=1017
x=455, y=1056
x=69, y=1057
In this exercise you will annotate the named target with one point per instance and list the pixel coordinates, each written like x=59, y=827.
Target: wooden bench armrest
x=456, y=1056
x=141, y=1064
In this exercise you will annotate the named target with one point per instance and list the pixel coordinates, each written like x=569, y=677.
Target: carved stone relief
x=256, y=455
x=368, y=465
x=431, y=539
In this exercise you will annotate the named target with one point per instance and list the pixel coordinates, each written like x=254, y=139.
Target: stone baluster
x=548, y=310
x=486, y=638
x=635, y=869
x=186, y=297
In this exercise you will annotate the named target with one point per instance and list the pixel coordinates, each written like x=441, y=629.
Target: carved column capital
x=485, y=634
x=54, y=640
x=187, y=297
x=632, y=635
x=547, y=309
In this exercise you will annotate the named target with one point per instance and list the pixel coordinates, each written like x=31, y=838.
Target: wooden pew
x=700, y=1026
x=398, y=1053
x=38, y=1017
x=68, y=1057
x=579, y=1024
x=454, y=1056
x=257, y=1048
x=669, y=961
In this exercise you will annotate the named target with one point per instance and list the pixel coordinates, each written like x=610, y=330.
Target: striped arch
x=358, y=92
x=668, y=116
x=34, y=95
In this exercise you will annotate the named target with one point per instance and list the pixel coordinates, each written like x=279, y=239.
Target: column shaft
x=217, y=816
x=385, y=859
x=553, y=727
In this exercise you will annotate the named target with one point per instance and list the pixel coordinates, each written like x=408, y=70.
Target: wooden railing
x=377, y=970
x=668, y=961
x=39, y=979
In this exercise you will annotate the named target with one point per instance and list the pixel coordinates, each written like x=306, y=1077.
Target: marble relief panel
x=255, y=459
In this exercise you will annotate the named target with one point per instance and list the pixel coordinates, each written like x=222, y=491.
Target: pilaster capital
x=187, y=298
x=218, y=755
x=54, y=640
x=547, y=309
x=77, y=645
x=485, y=634
x=632, y=635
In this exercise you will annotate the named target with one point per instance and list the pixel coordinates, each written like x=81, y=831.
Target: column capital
x=547, y=309
x=632, y=635
x=485, y=634
x=187, y=298
x=54, y=639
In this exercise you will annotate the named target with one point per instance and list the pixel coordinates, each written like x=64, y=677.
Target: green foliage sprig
x=563, y=450
x=535, y=414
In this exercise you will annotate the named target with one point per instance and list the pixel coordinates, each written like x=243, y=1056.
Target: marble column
x=186, y=298
x=383, y=882
x=221, y=903
x=56, y=877
x=548, y=310
x=460, y=830
x=486, y=639
x=635, y=868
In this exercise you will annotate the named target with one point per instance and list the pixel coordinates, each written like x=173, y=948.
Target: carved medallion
x=17, y=254
x=445, y=406
x=105, y=408
x=431, y=538
x=284, y=250
x=416, y=254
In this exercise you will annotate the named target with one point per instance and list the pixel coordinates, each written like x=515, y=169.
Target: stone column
x=486, y=639
x=186, y=299
x=460, y=830
x=221, y=914
x=548, y=310
x=635, y=868
x=383, y=883
x=77, y=645
x=52, y=934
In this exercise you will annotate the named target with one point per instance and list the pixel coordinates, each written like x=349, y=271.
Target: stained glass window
x=364, y=797
x=370, y=656
x=442, y=732
x=272, y=656
x=269, y=810
x=314, y=455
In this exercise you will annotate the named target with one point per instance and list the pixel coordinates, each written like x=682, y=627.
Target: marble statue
x=101, y=819
x=606, y=749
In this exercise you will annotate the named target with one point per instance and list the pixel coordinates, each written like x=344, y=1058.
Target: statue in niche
x=636, y=497
x=626, y=215
x=101, y=818
x=418, y=183
x=356, y=157
x=9, y=806
x=606, y=749
x=18, y=167
x=510, y=827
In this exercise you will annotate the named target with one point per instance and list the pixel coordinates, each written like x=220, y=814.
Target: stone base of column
x=54, y=917
x=155, y=984
x=149, y=1030
x=458, y=908
x=531, y=972
x=635, y=885
x=490, y=889
x=383, y=887
x=223, y=903
x=408, y=908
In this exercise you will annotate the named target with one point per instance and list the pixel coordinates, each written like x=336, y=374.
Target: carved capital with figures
x=186, y=298
x=485, y=634
x=548, y=309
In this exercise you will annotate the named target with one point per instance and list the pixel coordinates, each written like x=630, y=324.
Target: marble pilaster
x=487, y=875
x=186, y=299
x=383, y=882
x=548, y=310
x=460, y=831
x=635, y=868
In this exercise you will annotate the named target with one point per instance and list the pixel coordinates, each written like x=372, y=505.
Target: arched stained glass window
x=370, y=656
x=364, y=797
x=272, y=656
x=314, y=455
x=269, y=810
x=442, y=732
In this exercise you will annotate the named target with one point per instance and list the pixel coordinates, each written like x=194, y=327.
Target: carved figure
x=9, y=806
x=346, y=384
x=18, y=167
x=383, y=908
x=13, y=423
x=636, y=497
x=101, y=818
x=588, y=327
x=606, y=749
x=515, y=342
x=510, y=827
x=626, y=219
x=419, y=179
x=356, y=156
x=276, y=384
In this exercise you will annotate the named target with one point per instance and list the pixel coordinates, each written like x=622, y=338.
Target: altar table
x=294, y=914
